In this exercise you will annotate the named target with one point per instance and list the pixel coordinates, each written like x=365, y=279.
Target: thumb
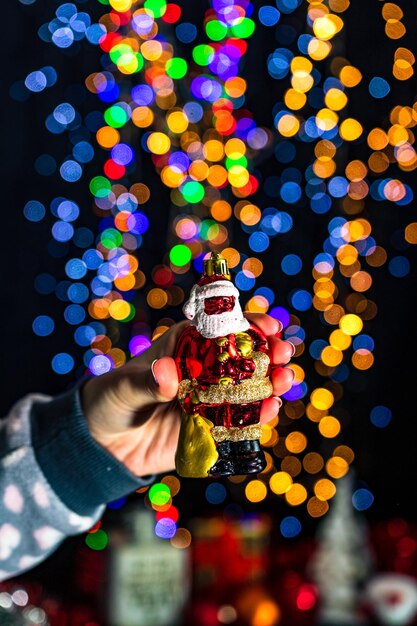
x=165, y=379
x=141, y=387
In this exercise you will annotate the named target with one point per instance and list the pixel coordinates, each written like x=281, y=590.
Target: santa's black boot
x=248, y=457
x=223, y=465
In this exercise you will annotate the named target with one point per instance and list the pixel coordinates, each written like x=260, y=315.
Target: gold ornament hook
x=216, y=265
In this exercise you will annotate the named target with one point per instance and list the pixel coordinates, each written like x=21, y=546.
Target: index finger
x=268, y=325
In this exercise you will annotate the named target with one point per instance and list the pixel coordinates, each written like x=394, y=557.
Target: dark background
x=386, y=459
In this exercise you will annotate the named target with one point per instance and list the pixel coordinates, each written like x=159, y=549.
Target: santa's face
x=217, y=310
x=217, y=305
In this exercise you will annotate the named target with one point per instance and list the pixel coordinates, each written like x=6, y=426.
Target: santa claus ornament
x=223, y=366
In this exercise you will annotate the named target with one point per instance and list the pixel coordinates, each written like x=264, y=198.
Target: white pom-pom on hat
x=189, y=308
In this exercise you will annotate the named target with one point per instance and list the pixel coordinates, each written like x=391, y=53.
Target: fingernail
x=279, y=401
x=153, y=372
x=279, y=327
x=293, y=348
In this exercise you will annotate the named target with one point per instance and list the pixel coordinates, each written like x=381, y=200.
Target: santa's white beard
x=220, y=324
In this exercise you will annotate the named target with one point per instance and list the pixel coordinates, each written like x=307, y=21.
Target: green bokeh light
x=157, y=7
x=203, y=54
x=216, y=30
x=244, y=29
x=160, y=493
x=97, y=540
x=115, y=116
x=176, y=67
x=100, y=187
x=111, y=238
x=240, y=161
x=193, y=191
x=205, y=228
x=180, y=255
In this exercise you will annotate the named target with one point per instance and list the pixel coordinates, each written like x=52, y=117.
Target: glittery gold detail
x=244, y=343
x=223, y=356
x=247, y=433
x=221, y=341
x=225, y=381
x=186, y=386
x=196, y=451
x=261, y=361
x=249, y=390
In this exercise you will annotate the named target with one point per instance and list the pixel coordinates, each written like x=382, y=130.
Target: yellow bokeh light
x=327, y=26
x=157, y=298
x=217, y=176
x=394, y=29
x=322, y=399
x=151, y=50
x=294, y=100
x=198, y=170
x=288, y=125
x=213, y=150
x=337, y=467
x=316, y=507
x=391, y=11
x=250, y=214
x=325, y=150
x=326, y=119
x=235, y=87
x=235, y=148
x=331, y=356
x=350, y=129
x=177, y=122
x=158, y=143
x=107, y=137
x=142, y=117
x=254, y=266
x=238, y=176
x=335, y=99
x=318, y=49
x=340, y=340
x=410, y=233
x=172, y=176
x=280, y=482
x=351, y=324
x=362, y=359
x=121, y=5
x=377, y=139
x=255, y=491
x=324, y=489
x=329, y=427
x=119, y=309
x=350, y=76
x=296, y=442
x=347, y=254
x=296, y=494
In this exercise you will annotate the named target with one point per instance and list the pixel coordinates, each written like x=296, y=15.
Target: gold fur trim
x=247, y=433
x=249, y=390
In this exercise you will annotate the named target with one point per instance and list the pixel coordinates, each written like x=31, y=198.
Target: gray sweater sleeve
x=54, y=479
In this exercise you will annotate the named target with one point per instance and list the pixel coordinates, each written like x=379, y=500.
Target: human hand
x=133, y=412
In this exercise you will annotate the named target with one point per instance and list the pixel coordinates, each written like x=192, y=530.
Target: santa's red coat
x=197, y=358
